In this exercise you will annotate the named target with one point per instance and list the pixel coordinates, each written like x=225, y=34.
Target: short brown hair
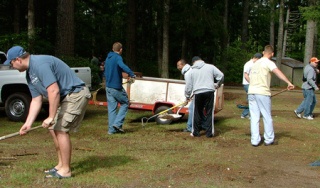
x=268, y=49
x=182, y=61
x=116, y=46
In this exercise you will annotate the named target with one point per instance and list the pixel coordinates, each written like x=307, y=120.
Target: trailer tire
x=161, y=120
x=17, y=106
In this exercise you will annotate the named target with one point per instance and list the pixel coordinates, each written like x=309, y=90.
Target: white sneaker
x=308, y=117
x=297, y=114
x=243, y=117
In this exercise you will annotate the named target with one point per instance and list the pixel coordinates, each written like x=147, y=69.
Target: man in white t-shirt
x=259, y=96
x=246, y=70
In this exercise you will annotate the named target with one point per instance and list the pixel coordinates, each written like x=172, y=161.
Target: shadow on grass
x=278, y=135
x=219, y=127
x=92, y=163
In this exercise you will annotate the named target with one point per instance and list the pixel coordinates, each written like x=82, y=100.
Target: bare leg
x=54, y=137
x=64, y=143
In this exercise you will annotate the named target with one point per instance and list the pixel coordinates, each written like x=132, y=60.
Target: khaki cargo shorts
x=71, y=111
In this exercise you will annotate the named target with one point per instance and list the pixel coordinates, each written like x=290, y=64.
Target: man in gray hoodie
x=185, y=68
x=309, y=87
x=202, y=85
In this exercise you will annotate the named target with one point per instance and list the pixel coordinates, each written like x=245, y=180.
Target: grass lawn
x=164, y=156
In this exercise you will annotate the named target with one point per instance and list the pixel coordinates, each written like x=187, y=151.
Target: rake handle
x=18, y=133
x=162, y=112
x=279, y=92
x=247, y=106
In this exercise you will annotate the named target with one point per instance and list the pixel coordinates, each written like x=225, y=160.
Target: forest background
x=157, y=33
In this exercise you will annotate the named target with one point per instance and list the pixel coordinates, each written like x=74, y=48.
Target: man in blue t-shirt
x=113, y=69
x=49, y=77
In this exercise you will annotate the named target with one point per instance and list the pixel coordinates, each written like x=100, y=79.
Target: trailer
x=156, y=95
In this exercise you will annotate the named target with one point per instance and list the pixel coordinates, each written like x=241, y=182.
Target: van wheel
x=17, y=106
x=160, y=120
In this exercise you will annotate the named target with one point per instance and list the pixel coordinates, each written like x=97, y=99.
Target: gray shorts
x=71, y=111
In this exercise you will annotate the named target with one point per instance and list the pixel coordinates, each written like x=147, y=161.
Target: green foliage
x=232, y=67
x=41, y=46
x=310, y=13
x=9, y=40
x=148, y=68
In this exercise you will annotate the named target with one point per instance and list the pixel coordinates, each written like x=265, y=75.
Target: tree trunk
x=315, y=40
x=310, y=32
x=159, y=36
x=31, y=27
x=276, y=80
x=285, y=37
x=225, y=35
x=16, y=16
x=165, y=52
x=310, y=36
x=272, y=13
x=245, y=18
x=184, y=45
x=280, y=34
x=131, y=35
x=225, y=25
x=65, y=28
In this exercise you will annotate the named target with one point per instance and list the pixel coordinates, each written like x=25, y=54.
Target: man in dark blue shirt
x=114, y=67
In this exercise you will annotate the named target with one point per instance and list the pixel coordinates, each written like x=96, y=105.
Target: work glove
x=131, y=80
x=186, y=102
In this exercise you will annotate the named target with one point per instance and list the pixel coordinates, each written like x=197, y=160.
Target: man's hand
x=290, y=86
x=48, y=122
x=24, y=129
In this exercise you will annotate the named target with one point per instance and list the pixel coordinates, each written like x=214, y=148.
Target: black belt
x=64, y=96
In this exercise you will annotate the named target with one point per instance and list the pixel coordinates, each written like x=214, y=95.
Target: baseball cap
x=257, y=55
x=13, y=53
x=314, y=60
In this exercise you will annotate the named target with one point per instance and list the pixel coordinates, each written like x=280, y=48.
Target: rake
x=18, y=133
x=245, y=105
x=172, y=116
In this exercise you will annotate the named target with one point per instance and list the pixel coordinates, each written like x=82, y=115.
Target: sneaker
x=243, y=117
x=191, y=134
x=256, y=145
x=308, y=117
x=270, y=144
x=297, y=114
x=118, y=129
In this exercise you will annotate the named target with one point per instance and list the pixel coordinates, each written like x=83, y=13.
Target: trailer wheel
x=17, y=106
x=160, y=120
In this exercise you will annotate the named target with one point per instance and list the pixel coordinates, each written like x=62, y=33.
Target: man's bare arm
x=280, y=75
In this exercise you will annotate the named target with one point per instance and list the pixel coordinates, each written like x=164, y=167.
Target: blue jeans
x=115, y=96
x=190, y=116
x=308, y=103
x=245, y=112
